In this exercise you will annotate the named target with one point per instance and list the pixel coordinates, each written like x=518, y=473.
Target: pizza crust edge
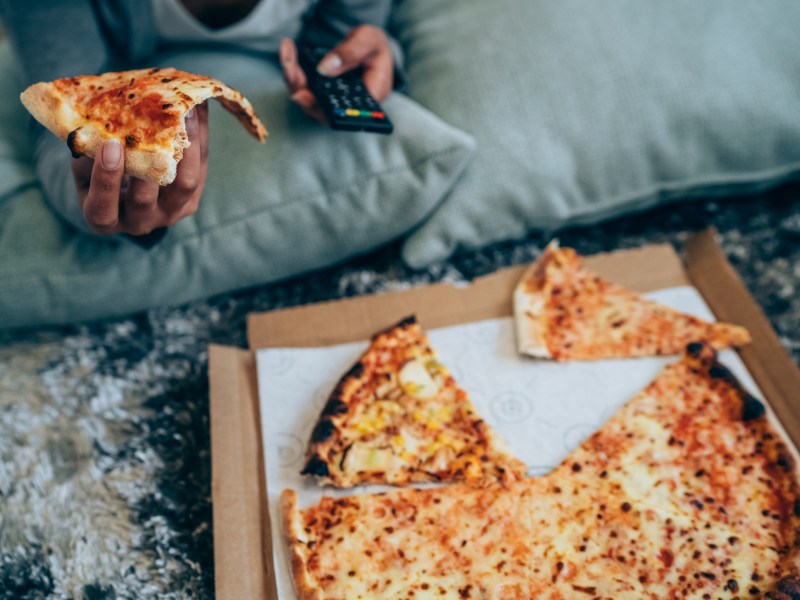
x=291, y=519
x=527, y=319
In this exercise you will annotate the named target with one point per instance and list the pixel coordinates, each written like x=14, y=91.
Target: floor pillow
x=586, y=110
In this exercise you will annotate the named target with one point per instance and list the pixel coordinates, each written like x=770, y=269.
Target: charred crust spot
x=333, y=407
x=154, y=70
x=626, y=507
x=404, y=323
x=71, y=143
x=344, y=456
x=131, y=96
x=165, y=106
x=324, y=430
x=217, y=89
x=130, y=83
x=316, y=466
x=130, y=141
x=355, y=371
x=694, y=349
x=785, y=462
x=718, y=371
x=166, y=79
x=787, y=588
x=751, y=408
x=796, y=507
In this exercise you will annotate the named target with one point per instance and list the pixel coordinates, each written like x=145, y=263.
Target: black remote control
x=344, y=100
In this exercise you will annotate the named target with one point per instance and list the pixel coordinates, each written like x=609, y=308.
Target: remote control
x=344, y=100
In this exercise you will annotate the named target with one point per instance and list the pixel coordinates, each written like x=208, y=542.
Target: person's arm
x=356, y=31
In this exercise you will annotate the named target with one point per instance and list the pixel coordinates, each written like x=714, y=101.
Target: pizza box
x=242, y=534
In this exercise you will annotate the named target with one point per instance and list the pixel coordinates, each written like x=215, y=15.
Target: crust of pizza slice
x=145, y=109
x=398, y=416
x=690, y=490
x=565, y=312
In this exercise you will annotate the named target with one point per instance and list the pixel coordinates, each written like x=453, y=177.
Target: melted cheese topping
x=686, y=493
x=406, y=420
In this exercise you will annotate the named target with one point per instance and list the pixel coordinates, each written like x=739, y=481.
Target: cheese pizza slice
x=565, y=312
x=398, y=416
x=689, y=491
x=144, y=109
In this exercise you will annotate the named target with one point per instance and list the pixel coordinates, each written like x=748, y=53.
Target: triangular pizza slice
x=144, y=109
x=564, y=312
x=398, y=416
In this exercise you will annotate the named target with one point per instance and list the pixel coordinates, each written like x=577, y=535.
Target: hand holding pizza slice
x=147, y=130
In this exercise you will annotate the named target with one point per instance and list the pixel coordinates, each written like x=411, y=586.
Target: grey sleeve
x=331, y=20
x=52, y=39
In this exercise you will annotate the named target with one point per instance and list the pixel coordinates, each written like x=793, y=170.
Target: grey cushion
x=305, y=199
x=585, y=110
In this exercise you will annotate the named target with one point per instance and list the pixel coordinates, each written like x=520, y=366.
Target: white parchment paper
x=542, y=409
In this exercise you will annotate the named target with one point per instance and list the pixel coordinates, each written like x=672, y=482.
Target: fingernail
x=111, y=154
x=329, y=65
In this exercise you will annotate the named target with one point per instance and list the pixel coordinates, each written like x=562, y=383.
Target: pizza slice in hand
x=398, y=416
x=565, y=312
x=144, y=109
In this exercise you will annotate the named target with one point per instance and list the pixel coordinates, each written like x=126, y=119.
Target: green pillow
x=305, y=199
x=585, y=110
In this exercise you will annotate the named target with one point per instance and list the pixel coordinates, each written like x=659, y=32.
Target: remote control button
x=377, y=115
x=339, y=112
x=351, y=112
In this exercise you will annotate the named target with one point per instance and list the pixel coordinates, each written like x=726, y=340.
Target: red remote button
x=378, y=115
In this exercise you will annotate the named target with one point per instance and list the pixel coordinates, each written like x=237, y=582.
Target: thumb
x=362, y=43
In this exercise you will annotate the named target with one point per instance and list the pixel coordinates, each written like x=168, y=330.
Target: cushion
x=585, y=110
x=305, y=199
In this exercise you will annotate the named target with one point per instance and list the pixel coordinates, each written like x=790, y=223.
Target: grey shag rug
x=104, y=432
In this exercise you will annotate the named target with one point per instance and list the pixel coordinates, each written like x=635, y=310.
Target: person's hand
x=365, y=46
x=113, y=202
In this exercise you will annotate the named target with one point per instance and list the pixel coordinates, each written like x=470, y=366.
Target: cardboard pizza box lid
x=242, y=540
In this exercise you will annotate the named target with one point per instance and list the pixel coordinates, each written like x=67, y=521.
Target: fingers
x=356, y=50
x=140, y=212
x=101, y=204
x=379, y=75
x=296, y=81
x=146, y=206
x=181, y=197
x=293, y=75
x=306, y=100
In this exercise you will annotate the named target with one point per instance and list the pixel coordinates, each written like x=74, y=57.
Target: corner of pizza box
x=242, y=544
x=767, y=360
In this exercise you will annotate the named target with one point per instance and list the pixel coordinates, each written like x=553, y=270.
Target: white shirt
x=257, y=31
